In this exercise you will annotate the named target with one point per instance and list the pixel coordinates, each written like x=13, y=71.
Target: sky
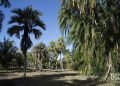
x=49, y=9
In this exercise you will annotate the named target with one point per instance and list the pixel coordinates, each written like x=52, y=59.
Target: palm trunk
x=41, y=64
x=24, y=49
x=35, y=64
x=109, y=67
x=40, y=61
x=49, y=65
x=89, y=63
x=67, y=65
x=25, y=64
x=56, y=64
x=61, y=62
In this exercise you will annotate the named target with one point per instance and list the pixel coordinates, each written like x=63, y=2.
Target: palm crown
x=26, y=20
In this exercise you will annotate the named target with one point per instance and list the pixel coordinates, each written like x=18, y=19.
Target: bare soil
x=48, y=78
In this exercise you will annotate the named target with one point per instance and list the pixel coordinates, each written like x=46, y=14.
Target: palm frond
x=40, y=23
x=37, y=33
x=17, y=11
x=26, y=20
x=5, y=3
x=15, y=30
x=16, y=19
x=1, y=19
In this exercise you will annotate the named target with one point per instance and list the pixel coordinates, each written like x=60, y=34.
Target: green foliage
x=93, y=28
x=60, y=45
x=26, y=20
x=68, y=60
x=9, y=53
x=41, y=54
x=31, y=59
x=53, y=54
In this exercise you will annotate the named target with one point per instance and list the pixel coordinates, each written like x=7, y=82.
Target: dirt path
x=46, y=78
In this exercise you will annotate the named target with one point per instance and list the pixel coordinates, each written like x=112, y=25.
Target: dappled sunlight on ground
x=48, y=78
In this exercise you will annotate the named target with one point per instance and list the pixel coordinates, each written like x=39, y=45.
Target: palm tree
x=61, y=48
x=40, y=50
x=111, y=33
x=88, y=23
x=51, y=50
x=77, y=19
x=54, y=52
x=8, y=52
x=25, y=20
x=6, y=4
x=78, y=23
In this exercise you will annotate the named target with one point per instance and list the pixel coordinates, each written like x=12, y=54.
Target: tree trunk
x=38, y=62
x=49, y=65
x=41, y=64
x=40, y=57
x=67, y=65
x=35, y=64
x=109, y=66
x=25, y=64
x=56, y=64
x=61, y=62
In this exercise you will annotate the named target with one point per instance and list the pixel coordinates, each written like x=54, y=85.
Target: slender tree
x=40, y=50
x=53, y=52
x=61, y=46
x=26, y=20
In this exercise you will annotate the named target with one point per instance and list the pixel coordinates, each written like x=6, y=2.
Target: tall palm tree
x=25, y=20
x=51, y=49
x=54, y=52
x=61, y=48
x=40, y=50
x=111, y=33
x=90, y=22
x=77, y=21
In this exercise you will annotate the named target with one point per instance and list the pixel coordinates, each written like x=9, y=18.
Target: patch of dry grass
x=48, y=78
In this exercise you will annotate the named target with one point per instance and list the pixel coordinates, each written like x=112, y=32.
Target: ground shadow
x=49, y=80
x=12, y=71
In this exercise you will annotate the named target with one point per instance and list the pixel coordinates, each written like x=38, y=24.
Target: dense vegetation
x=91, y=26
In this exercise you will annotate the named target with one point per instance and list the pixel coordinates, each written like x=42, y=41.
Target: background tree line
x=91, y=26
x=40, y=57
